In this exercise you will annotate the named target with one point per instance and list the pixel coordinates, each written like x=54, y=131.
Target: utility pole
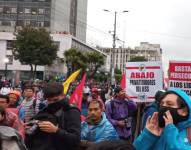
x=113, y=51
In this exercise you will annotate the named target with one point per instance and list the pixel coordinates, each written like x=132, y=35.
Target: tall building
x=15, y=70
x=66, y=16
x=152, y=52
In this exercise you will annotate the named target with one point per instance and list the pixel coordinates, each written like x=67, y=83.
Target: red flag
x=166, y=82
x=123, y=81
x=76, y=97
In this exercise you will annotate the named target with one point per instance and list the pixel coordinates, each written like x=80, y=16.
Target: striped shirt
x=30, y=109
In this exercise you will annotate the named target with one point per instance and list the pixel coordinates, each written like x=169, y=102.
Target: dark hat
x=159, y=94
x=117, y=89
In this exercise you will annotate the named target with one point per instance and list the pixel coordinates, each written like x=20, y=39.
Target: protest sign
x=143, y=80
x=180, y=75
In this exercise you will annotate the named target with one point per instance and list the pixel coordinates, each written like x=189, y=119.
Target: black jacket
x=68, y=136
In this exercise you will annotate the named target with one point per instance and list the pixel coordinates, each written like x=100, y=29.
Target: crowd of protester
x=37, y=116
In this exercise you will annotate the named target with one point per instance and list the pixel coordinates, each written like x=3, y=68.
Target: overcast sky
x=164, y=22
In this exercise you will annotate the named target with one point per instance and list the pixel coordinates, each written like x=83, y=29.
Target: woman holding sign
x=170, y=128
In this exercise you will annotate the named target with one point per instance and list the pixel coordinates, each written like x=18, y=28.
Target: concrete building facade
x=152, y=52
x=66, y=16
x=17, y=70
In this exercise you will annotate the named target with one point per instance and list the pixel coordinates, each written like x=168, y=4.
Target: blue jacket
x=97, y=133
x=148, y=111
x=172, y=138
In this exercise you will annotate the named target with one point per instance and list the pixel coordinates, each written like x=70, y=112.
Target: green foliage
x=138, y=59
x=118, y=78
x=118, y=75
x=34, y=47
x=95, y=61
x=117, y=71
x=75, y=59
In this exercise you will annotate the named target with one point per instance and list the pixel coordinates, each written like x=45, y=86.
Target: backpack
x=189, y=134
x=10, y=139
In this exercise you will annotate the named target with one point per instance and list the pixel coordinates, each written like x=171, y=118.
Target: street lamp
x=6, y=60
x=114, y=45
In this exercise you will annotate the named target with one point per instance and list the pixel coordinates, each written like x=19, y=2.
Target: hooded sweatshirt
x=173, y=137
x=100, y=132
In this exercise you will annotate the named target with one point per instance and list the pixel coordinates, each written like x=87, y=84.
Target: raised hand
x=152, y=125
x=168, y=118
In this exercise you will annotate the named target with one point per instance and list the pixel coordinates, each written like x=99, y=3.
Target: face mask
x=174, y=112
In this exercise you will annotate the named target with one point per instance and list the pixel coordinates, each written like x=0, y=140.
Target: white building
x=19, y=71
x=152, y=52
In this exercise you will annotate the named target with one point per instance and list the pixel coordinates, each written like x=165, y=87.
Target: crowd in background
x=38, y=115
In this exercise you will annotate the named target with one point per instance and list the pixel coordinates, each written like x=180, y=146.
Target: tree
x=95, y=61
x=75, y=59
x=118, y=75
x=138, y=59
x=34, y=47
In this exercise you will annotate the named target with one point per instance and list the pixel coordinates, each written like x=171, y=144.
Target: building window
x=6, y=23
x=57, y=43
x=40, y=24
x=20, y=10
x=9, y=45
x=40, y=11
x=10, y=57
x=47, y=24
x=47, y=11
x=20, y=23
x=13, y=23
x=13, y=10
x=1, y=10
x=33, y=11
x=27, y=10
x=7, y=10
x=27, y=22
x=33, y=23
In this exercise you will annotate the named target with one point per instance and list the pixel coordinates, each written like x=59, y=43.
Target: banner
x=76, y=97
x=180, y=75
x=123, y=81
x=71, y=79
x=143, y=80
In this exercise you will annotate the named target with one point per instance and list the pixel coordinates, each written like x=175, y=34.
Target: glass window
x=33, y=11
x=10, y=57
x=57, y=43
x=7, y=10
x=40, y=24
x=33, y=23
x=40, y=11
x=13, y=10
x=13, y=23
x=20, y=10
x=47, y=11
x=27, y=22
x=27, y=10
x=47, y=24
x=9, y=45
x=20, y=22
x=6, y=23
x=1, y=10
